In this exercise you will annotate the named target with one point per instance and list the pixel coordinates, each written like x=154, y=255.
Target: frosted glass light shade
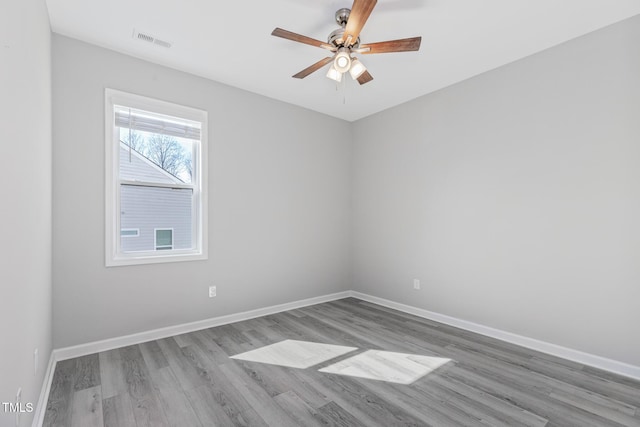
x=334, y=74
x=342, y=63
x=357, y=68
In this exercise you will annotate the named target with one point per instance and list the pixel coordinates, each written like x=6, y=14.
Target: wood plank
x=174, y=403
x=111, y=374
x=337, y=416
x=183, y=340
x=299, y=410
x=222, y=391
x=86, y=407
x=153, y=355
x=146, y=409
x=259, y=399
x=58, y=413
x=229, y=339
x=208, y=410
x=87, y=372
x=117, y=411
x=206, y=343
x=307, y=390
x=188, y=376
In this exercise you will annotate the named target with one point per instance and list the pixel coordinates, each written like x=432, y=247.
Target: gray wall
x=278, y=213
x=514, y=196
x=25, y=213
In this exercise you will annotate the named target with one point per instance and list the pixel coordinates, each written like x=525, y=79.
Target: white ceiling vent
x=146, y=37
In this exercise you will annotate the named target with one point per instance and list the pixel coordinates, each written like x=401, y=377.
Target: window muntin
x=154, y=180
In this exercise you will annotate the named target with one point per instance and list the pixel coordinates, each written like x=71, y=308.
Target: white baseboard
x=155, y=334
x=603, y=363
x=41, y=407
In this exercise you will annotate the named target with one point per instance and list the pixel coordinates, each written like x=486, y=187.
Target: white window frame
x=137, y=230
x=155, y=238
x=114, y=256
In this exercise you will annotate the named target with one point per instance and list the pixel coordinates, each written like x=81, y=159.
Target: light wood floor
x=190, y=380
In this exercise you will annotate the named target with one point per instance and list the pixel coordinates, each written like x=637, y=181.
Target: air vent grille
x=146, y=37
x=162, y=43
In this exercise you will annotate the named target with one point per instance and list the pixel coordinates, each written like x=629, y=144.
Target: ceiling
x=230, y=41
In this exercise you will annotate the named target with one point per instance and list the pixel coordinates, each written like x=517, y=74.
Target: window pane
x=164, y=237
x=154, y=157
x=129, y=233
x=150, y=208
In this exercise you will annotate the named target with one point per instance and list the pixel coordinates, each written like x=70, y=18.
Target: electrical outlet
x=212, y=291
x=416, y=284
x=35, y=362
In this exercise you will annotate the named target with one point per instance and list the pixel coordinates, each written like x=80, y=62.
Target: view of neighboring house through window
x=155, y=207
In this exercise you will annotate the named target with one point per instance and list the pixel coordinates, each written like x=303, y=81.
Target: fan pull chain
x=344, y=91
x=341, y=87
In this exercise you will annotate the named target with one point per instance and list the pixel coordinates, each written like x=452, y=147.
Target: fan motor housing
x=335, y=39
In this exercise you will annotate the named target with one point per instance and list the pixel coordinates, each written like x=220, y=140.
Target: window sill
x=151, y=258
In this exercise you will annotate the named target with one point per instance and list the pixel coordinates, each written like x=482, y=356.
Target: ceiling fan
x=345, y=41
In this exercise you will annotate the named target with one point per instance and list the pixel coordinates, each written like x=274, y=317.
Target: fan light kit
x=345, y=41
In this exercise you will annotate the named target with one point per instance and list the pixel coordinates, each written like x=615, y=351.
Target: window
x=164, y=239
x=155, y=170
x=129, y=232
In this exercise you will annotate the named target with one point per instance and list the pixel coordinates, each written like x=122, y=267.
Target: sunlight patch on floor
x=294, y=354
x=387, y=366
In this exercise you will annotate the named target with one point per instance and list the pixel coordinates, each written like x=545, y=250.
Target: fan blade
x=315, y=67
x=279, y=32
x=365, y=78
x=360, y=12
x=402, y=45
